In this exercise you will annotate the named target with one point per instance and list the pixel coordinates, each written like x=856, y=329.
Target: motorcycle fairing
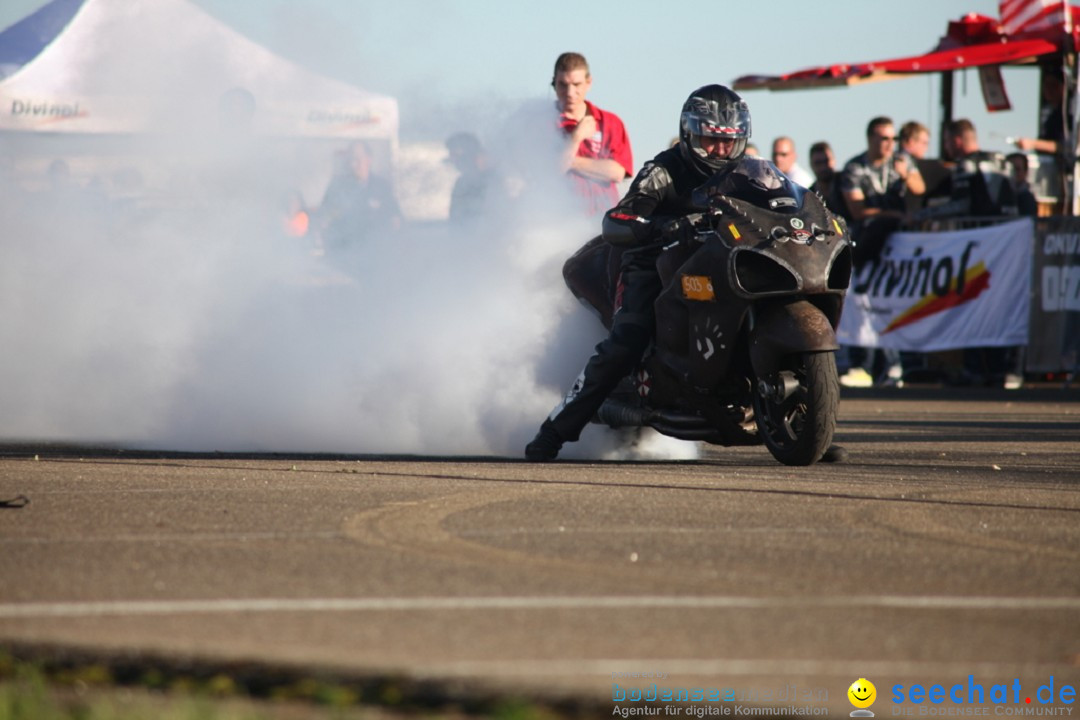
x=789, y=257
x=785, y=328
x=694, y=336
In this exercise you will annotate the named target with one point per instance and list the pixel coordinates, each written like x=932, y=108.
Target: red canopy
x=972, y=41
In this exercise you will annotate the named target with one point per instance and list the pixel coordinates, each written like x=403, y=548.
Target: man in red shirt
x=597, y=154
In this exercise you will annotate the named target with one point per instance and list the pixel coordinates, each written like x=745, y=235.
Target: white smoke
x=189, y=321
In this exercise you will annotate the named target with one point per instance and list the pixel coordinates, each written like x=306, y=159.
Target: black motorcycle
x=744, y=351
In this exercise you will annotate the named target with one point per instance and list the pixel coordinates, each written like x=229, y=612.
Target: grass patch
x=55, y=686
x=27, y=694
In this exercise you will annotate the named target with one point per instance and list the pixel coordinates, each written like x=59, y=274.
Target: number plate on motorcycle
x=697, y=287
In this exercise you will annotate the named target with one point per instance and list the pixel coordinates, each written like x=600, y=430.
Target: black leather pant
x=631, y=332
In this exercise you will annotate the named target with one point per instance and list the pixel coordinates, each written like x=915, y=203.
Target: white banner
x=942, y=291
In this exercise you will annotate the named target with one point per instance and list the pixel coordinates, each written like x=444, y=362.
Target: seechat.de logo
x=1000, y=695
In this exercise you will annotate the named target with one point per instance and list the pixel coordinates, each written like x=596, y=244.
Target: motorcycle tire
x=799, y=429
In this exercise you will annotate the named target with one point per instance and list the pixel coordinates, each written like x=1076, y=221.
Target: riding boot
x=613, y=359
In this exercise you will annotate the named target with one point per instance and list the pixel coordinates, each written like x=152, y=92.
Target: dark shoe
x=835, y=454
x=545, y=446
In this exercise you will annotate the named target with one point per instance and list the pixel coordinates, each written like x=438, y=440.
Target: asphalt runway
x=946, y=548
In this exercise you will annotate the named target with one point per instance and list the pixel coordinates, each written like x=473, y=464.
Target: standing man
x=597, y=153
x=1026, y=203
x=981, y=187
x=980, y=182
x=1052, y=115
x=874, y=186
x=823, y=163
x=784, y=157
x=915, y=141
x=472, y=190
x=358, y=205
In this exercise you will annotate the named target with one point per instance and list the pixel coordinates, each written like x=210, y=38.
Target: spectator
x=873, y=186
x=980, y=184
x=475, y=179
x=823, y=163
x=751, y=149
x=1055, y=115
x=358, y=205
x=915, y=141
x=784, y=157
x=1026, y=203
x=597, y=154
x=1052, y=117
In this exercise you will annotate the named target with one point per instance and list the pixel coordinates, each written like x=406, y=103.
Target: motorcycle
x=744, y=349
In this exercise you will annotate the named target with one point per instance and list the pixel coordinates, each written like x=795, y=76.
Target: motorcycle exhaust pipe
x=616, y=415
x=706, y=434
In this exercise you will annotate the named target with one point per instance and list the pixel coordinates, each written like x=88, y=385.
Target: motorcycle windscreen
x=754, y=180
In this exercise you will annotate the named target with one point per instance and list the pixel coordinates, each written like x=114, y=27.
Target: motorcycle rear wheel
x=799, y=429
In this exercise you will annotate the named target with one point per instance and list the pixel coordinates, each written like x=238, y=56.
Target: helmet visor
x=696, y=127
x=708, y=127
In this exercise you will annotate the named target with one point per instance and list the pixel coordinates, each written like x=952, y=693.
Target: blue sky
x=461, y=64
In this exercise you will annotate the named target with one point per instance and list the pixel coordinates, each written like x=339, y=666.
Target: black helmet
x=713, y=111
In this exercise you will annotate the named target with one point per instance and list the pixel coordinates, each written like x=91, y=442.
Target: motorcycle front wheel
x=796, y=416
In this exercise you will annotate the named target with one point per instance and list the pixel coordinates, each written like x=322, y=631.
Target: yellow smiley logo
x=862, y=693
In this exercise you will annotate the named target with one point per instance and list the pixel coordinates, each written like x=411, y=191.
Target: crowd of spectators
x=892, y=185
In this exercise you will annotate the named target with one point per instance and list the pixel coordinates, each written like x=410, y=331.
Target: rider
x=713, y=132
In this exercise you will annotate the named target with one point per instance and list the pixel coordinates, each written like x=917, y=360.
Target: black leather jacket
x=663, y=192
x=659, y=193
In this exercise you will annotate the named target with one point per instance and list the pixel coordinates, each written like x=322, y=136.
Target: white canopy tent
x=125, y=67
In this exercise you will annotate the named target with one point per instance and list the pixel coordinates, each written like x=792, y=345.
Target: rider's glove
x=680, y=229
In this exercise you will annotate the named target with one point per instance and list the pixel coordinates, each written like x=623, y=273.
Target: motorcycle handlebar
x=691, y=226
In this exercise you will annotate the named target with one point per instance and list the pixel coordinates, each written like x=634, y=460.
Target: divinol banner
x=942, y=291
x=1055, y=309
